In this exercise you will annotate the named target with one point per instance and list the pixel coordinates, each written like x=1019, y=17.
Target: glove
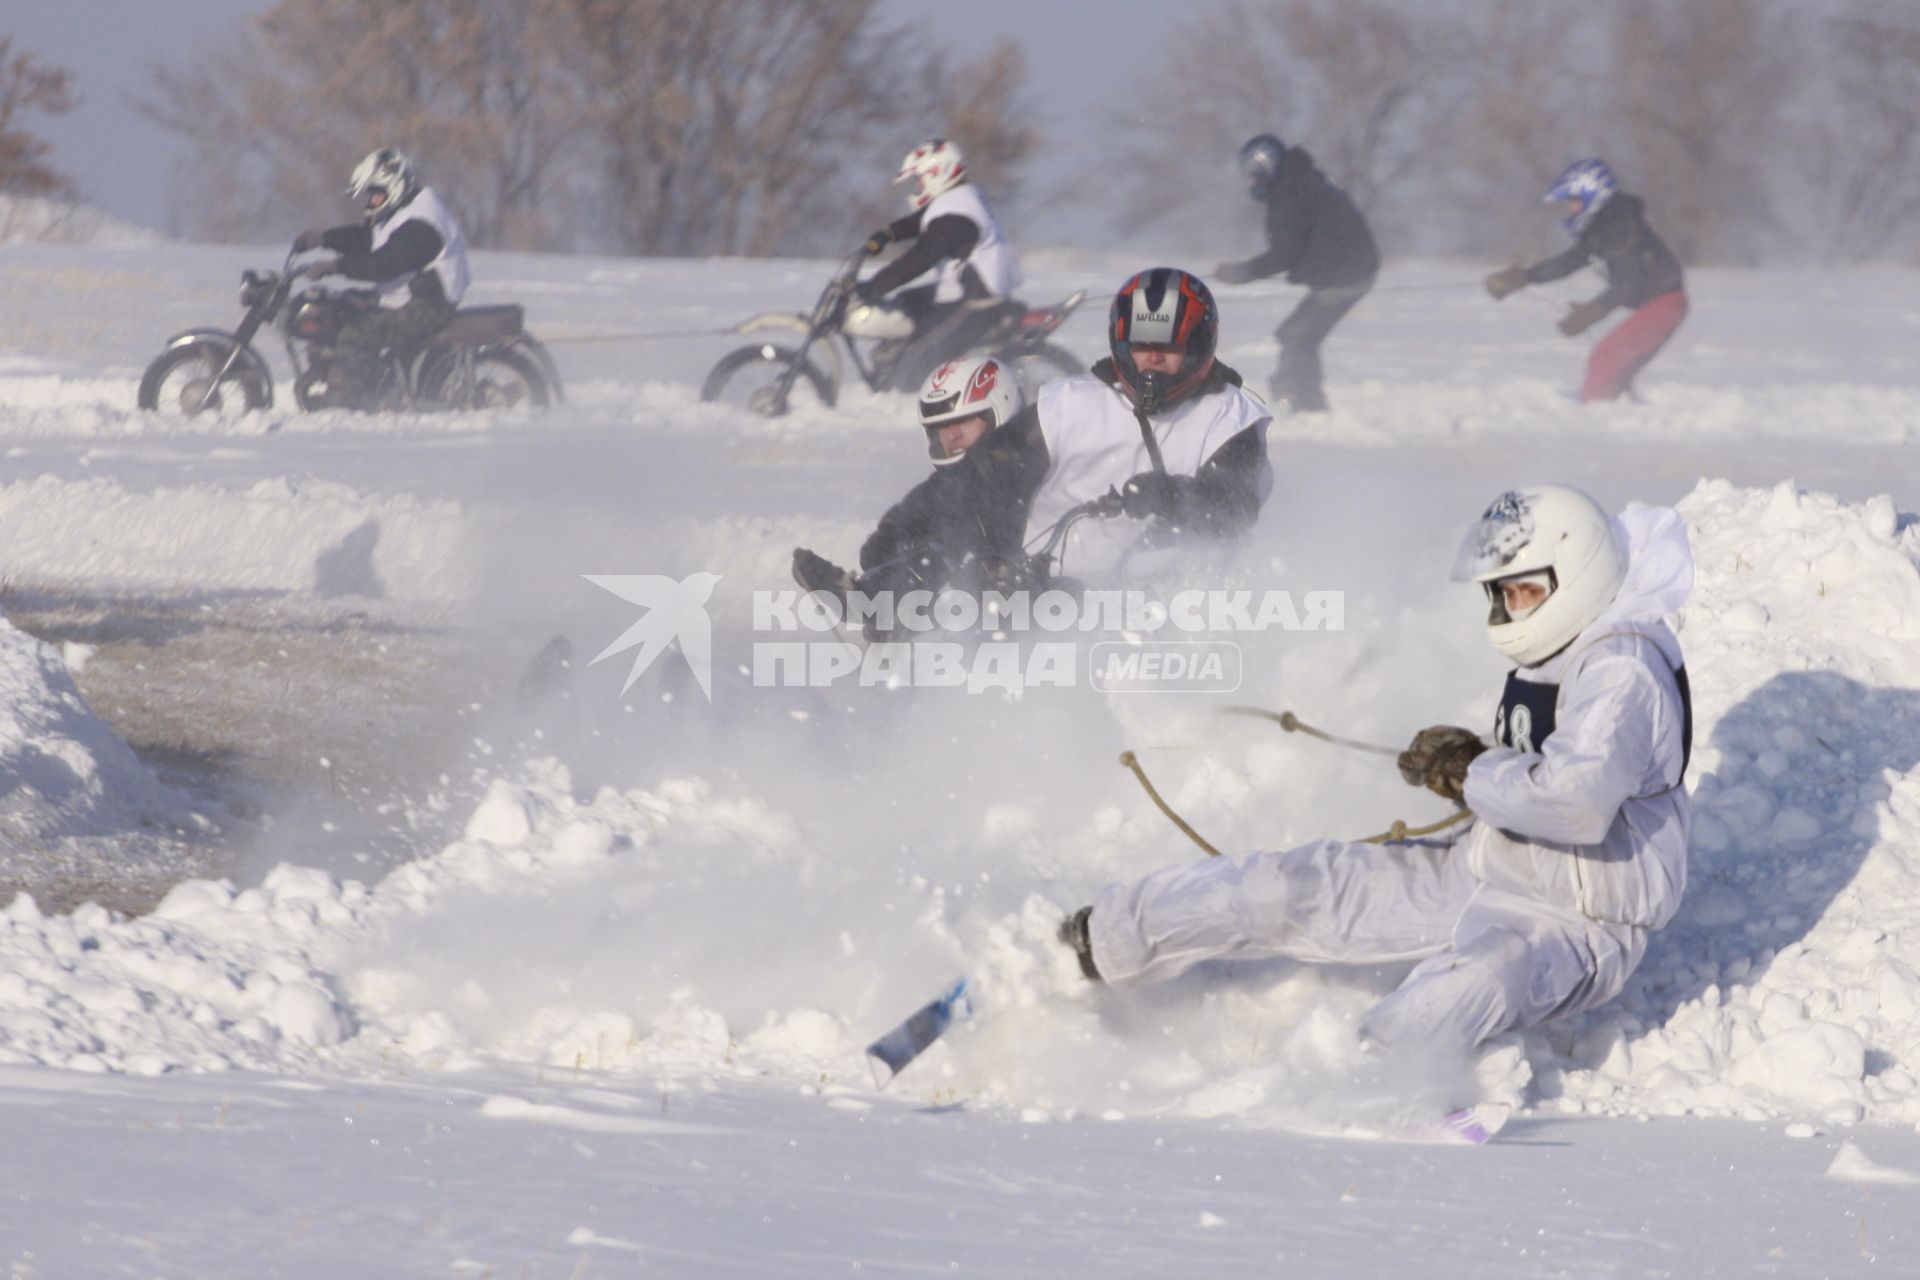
x=876, y=242
x=1233, y=273
x=1418, y=757
x=1447, y=771
x=1507, y=280
x=1582, y=316
x=309, y=240
x=1151, y=493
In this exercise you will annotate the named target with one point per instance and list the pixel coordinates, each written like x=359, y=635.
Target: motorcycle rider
x=954, y=233
x=409, y=246
x=1159, y=432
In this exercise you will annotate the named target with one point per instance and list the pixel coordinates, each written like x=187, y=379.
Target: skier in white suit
x=1542, y=905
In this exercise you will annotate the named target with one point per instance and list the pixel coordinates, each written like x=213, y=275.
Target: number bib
x=1525, y=718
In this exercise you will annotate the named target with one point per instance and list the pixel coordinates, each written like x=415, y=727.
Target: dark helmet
x=1260, y=158
x=1166, y=307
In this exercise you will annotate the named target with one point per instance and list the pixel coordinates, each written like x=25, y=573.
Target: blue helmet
x=1588, y=181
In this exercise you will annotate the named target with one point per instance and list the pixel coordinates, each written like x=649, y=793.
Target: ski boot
x=1073, y=932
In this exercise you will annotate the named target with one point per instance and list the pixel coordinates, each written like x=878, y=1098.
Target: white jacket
x=1596, y=818
x=1094, y=444
x=992, y=258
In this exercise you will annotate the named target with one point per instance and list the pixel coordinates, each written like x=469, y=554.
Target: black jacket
x=976, y=509
x=1638, y=265
x=1315, y=232
x=948, y=236
x=406, y=253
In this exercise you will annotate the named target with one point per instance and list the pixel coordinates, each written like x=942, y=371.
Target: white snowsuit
x=1541, y=907
x=1094, y=444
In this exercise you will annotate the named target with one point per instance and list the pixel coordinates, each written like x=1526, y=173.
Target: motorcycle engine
x=316, y=320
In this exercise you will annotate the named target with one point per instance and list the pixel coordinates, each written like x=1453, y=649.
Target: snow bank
x=72, y=793
x=62, y=770
x=26, y=219
x=685, y=930
x=274, y=535
x=1790, y=983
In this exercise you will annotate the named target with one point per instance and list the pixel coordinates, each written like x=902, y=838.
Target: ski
x=890, y=1054
x=1470, y=1126
x=1474, y=1125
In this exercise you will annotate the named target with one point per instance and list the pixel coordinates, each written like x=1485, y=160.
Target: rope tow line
x=633, y=335
x=1399, y=831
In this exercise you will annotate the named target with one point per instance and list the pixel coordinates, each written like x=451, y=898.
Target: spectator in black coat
x=1317, y=237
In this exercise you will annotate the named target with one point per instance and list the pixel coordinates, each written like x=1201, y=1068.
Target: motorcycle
x=765, y=376
x=483, y=358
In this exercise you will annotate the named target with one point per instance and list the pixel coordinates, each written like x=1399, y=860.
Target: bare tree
x=29, y=87
x=1523, y=107
x=1348, y=79
x=1860, y=155
x=278, y=115
x=1700, y=90
x=983, y=105
x=732, y=126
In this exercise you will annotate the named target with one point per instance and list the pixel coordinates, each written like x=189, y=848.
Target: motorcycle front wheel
x=181, y=380
x=748, y=377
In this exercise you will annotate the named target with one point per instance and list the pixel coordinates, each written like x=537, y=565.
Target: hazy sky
x=120, y=162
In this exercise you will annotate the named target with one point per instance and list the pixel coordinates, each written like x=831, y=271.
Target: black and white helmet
x=383, y=182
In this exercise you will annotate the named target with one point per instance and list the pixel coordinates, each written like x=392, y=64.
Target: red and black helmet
x=1163, y=307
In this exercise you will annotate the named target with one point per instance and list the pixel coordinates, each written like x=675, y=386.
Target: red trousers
x=1625, y=352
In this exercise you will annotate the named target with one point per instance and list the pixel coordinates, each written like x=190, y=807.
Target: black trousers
x=941, y=332
x=1297, y=380
x=366, y=336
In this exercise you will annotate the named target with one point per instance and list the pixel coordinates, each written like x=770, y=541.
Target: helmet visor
x=1513, y=598
x=1500, y=537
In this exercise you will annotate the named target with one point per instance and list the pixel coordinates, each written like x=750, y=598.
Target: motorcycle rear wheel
x=503, y=378
x=180, y=380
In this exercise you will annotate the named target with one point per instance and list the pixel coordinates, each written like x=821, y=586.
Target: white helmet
x=936, y=166
x=967, y=388
x=1563, y=536
x=387, y=173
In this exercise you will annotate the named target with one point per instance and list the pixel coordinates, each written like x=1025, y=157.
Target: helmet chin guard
x=1554, y=530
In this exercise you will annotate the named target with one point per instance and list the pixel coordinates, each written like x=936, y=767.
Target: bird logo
x=676, y=610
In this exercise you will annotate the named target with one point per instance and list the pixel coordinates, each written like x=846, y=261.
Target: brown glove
x=1582, y=316
x=1447, y=770
x=1507, y=280
x=1418, y=757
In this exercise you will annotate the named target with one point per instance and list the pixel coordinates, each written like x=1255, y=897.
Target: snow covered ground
x=488, y=981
